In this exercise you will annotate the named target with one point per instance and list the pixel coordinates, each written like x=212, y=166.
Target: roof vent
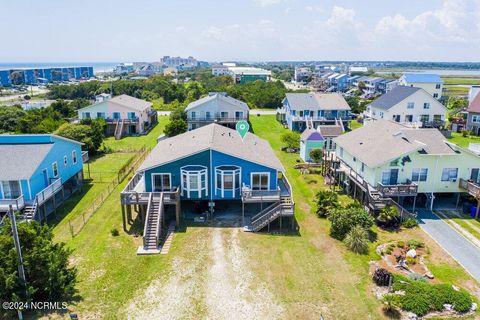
x=396, y=134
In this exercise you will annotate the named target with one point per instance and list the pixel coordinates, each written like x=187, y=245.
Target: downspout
x=433, y=183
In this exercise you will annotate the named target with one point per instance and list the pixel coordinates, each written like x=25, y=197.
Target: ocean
x=97, y=66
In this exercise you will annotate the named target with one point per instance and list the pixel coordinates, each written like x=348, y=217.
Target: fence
x=78, y=223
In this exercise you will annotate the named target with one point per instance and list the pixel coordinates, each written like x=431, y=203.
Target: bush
x=401, y=244
x=417, y=277
x=115, y=232
x=414, y=244
x=411, y=261
x=410, y=223
x=325, y=201
x=391, y=302
x=291, y=139
x=175, y=127
x=389, y=217
x=381, y=277
x=357, y=240
x=416, y=303
x=462, y=301
x=344, y=219
x=316, y=155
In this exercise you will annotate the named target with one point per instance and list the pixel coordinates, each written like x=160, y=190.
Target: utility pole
x=16, y=241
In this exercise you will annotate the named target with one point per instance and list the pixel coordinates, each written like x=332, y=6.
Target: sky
x=247, y=30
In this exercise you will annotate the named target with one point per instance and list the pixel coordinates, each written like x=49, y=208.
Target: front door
x=390, y=177
x=133, y=129
x=45, y=177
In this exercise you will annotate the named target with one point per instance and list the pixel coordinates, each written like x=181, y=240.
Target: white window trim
x=53, y=171
x=198, y=173
x=449, y=179
x=268, y=180
x=233, y=172
x=74, y=157
x=19, y=184
x=419, y=174
x=161, y=174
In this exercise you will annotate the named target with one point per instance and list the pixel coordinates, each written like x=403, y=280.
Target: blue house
x=304, y=110
x=37, y=172
x=319, y=138
x=208, y=173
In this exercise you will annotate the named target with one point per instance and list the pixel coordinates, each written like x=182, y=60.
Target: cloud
x=266, y=3
x=314, y=9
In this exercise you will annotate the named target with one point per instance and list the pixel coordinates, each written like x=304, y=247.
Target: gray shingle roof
x=330, y=130
x=215, y=137
x=381, y=141
x=317, y=101
x=396, y=95
x=131, y=102
x=19, y=161
x=221, y=98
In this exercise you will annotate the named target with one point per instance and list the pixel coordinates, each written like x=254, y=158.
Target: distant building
x=432, y=83
x=179, y=62
x=43, y=75
x=302, y=74
x=248, y=74
x=220, y=70
x=358, y=69
x=123, y=68
x=473, y=117
x=217, y=107
x=408, y=105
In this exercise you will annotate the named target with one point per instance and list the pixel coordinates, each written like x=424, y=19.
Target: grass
x=462, y=141
x=354, y=124
x=137, y=142
x=455, y=91
x=309, y=273
x=460, y=81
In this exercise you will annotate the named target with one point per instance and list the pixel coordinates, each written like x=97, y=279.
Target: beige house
x=124, y=115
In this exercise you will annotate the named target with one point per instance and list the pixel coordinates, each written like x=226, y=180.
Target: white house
x=429, y=82
x=408, y=105
x=217, y=107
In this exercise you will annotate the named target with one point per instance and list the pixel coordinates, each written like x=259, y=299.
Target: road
x=462, y=250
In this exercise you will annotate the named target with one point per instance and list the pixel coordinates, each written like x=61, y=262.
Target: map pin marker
x=242, y=128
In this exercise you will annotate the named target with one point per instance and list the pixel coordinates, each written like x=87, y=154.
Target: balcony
x=433, y=124
x=125, y=120
x=471, y=187
x=134, y=192
x=17, y=204
x=49, y=191
x=283, y=190
x=398, y=190
x=319, y=118
x=216, y=119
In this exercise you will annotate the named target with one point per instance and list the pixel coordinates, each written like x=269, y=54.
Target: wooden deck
x=471, y=187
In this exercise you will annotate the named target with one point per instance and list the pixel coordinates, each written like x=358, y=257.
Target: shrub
x=291, y=140
x=344, y=219
x=325, y=201
x=462, y=301
x=416, y=303
x=464, y=133
x=414, y=244
x=381, y=277
x=411, y=261
x=115, y=232
x=389, y=217
x=316, y=155
x=175, y=127
x=410, y=223
x=401, y=244
x=417, y=277
x=391, y=302
x=357, y=240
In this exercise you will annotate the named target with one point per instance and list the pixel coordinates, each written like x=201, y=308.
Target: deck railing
x=398, y=190
x=471, y=187
x=46, y=193
x=145, y=227
x=248, y=193
x=216, y=119
x=85, y=156
x=17, y=204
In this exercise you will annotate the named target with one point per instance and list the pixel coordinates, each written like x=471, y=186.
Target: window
x=55, y=169
x=435, y=95
x=208, y=115
x=476, y=118
x=426, y=105
x=411, y=105
x=65, y=160
x=362, y=168
x=409, y=118
x=116, y=115
x=419, y=174
x=424, y=118
x=260, y=181
x=224, y=114
x=239, y=115
x=193, y=115
x=227, y=179
x=131, y=115
x=11, y=189
x=341, y=152
x=438, y=86
x=74, y=156
x=101, y=115
x=449, y=174
x=161, y=182
x=381, y=114
x=475, y=175
x=194, y=179
x=86, y=115
x=394, y=163
x=390, y=177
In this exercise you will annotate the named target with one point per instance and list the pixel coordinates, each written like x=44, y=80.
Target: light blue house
x=36, y=172
x=208, y=173
x=320, y=138
x=303, y=110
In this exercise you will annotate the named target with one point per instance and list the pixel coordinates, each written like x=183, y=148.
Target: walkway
x=462, y=250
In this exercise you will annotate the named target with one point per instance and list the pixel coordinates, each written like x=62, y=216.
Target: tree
x=49, y=276
x=9, y=117
x=88, y=132
x=178, y=113
x=389, y=216
x=356, y=240
x=362, y=86
x=316, y=155
x=325, y=201
x=353, y=102
x=64, y=108
x=175, y=127
x=291, y=139
x=344, y=219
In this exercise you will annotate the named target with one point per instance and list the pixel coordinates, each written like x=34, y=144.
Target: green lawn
x=137, y=142
x=354, y=124
x=308, y=273
x=462, y=141
x=460, y=81
x=455, y=91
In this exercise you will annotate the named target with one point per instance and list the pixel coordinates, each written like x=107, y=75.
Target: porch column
x=124, y=223
x=414, y=203
x=243, y=213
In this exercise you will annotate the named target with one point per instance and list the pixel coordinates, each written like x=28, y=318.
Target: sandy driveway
x=210, y=279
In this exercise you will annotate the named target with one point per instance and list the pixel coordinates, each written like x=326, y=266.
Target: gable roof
x=125, y=101
x=213, y=137
x=474, y=106
x=317, y=101
x=222, y=98
x=311, y=134
x=330, y=130
x=19, y=161
x=422, y=78
x=393, y=97
x=382, y=141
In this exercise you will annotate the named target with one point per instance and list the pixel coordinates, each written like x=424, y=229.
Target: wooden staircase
x=153, y=226
x=284, y=207
x=29, y=212
x=119, y=129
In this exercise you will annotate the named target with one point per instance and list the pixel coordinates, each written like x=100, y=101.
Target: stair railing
x=159, y=220
x=145, y=228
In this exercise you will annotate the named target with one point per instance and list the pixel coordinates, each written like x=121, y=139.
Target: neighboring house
x=384, y=160
x=320, y=138
x=124, y=115
x=302, y=110
x=217, y=107
x=249, y=74
x=387, y=85
x=373, y=85
x=208, y=173
x=432, y=83
x=408, y=105
x=219, y=70
x=473, y=116
x=36, y=171
x=302, y=74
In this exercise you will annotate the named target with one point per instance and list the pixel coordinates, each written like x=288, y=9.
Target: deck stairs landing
x=29, y=212
x=269, y=214
x=119, y=129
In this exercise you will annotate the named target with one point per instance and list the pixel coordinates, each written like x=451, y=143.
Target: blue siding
x=210, y=159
